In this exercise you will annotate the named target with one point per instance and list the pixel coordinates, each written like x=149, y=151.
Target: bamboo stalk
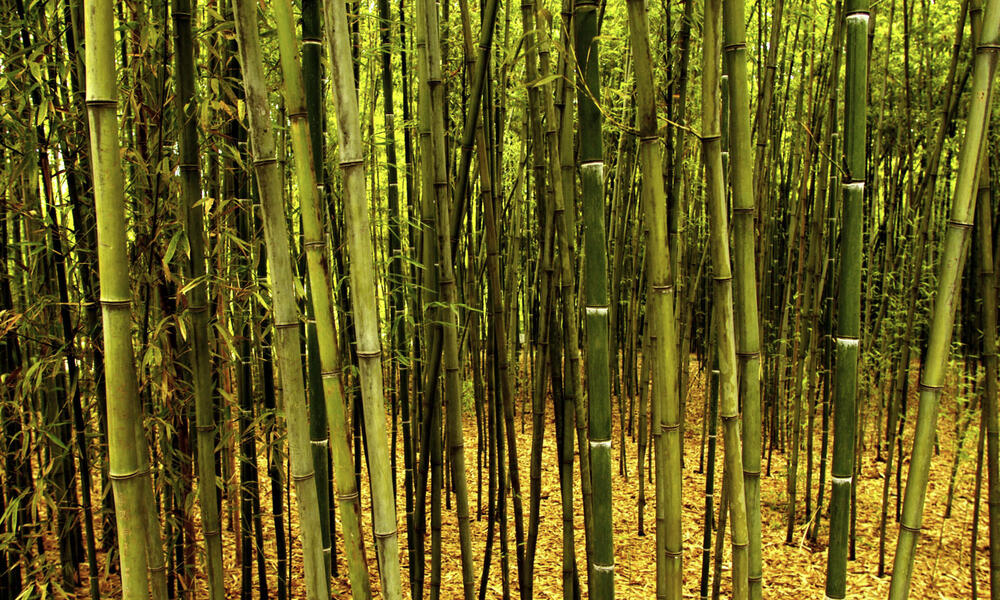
x=286, y=318
x=126, y=455
x=363, y=300
x=314, y=243
x=947, y=293
x=723, y=295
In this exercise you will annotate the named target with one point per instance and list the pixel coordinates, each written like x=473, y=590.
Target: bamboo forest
x=547, y=299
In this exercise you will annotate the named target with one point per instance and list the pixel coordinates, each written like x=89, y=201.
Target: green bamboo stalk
x=947, y=294
x=560, y=142
x=312, y=45
x=473, y=110
x=560, y=173
x=713, y=418
x=286, y=318
x=314, y=243
x=745, y=258
x=430, y=333
x=539, y=378
x=848, y=292
x=448, y=294
x=762, y=118
x=663, y=328
x=398, y=267
x=723, y=294
x=201, y=361
x=988, y=289
x=126, y=456
x=546, y=283
x=363, y=301
x=437, y=202
x=565, y=414
x=595, y=271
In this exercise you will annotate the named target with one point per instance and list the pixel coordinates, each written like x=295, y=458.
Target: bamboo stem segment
x=951, y=265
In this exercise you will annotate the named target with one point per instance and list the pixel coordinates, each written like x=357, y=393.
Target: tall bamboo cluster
x=280, y=271
x=478, y=284
x=314, y=245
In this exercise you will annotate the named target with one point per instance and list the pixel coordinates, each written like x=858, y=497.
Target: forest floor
x=790, y=571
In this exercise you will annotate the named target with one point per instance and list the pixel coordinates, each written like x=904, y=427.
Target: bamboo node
x=314, y=245
x=312, y=41
x=913, y=530
x=861, y=16
x=351, y=162
x=385, y=535
x=304, y=477
x=959, y=224
x=734, y=47
x=350, y=497
x=743, y=210
x=597, y=310
x=330, y=374
x=369, y=353
x=204, y=428
x=159, y=569
x=115, y=303
x=127, y=476
x=322, y=442
x=842, y=480
x=649, y=138
x=263, y=162
x=188, y=167
x=299, y=114
x=930, y=388
x=605, y=568
x=286, y=325
x=847, y=340
x=101, y=103
x=747, y=355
